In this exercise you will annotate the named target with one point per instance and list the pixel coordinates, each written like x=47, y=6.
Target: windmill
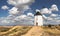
x=38, y=20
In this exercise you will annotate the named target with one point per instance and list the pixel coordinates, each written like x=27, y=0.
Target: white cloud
x=11, y=2
x=49, y=11
x=52, y=18
x=13, y=11
x=10, y=17
x=22, y=5
x=24, y=19
x=5, y=21
x=22, y=16
x=49, y=18
x=17, y=20
x=30, y=14
x=45, y=11
x=4, y=7
x=54, y=15
x=58, y=20
x=26, y=7
x=19, y=7
x=16, y=16
x=54, y=8
x=19, y=2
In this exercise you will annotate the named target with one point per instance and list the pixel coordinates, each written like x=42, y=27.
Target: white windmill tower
x=38, y=19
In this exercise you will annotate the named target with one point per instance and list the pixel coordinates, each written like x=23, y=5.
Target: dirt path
x=35, y=31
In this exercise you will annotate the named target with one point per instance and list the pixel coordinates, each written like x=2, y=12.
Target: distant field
x=52, y=30
x=21, y=30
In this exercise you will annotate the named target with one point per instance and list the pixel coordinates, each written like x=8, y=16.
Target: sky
x=21, y=12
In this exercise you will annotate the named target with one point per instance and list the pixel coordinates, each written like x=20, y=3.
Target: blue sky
x=38, y=4
x=27, y=9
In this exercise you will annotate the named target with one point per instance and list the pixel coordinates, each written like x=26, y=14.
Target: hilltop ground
x=29, y=30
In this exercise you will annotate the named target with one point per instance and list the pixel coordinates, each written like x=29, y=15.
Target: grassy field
x=14, y=31
x=21, y=30
x=52, y=30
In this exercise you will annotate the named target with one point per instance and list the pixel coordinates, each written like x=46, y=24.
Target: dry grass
x=52, y=30
x=21, y=30
x=17, y=30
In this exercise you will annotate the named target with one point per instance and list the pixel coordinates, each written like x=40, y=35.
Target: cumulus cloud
x=49, y=10
x=16, y=14
x=21, y=17
x=17, y=17
x=13, y=11
x=24, y=19
x=5, y=21
x=53, y=15
x=19, y=7
x=11, y=2
x=49, y=18
x=53, y=19
x=54, y=8
x=4, y=7
x=17, y=20
x=45, y=11
x=30, y=14
x=22, y=5
x=20, y=2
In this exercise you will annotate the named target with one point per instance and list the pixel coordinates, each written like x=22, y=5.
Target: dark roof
x=38, y=13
